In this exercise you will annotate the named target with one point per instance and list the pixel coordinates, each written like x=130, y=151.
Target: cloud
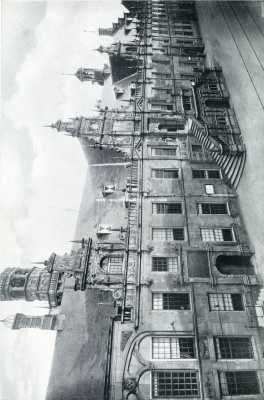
x=42, y=173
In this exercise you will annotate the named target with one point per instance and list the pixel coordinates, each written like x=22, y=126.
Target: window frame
x=210, y=205
x=165, y=170
x=222, y=376
x=166, y=396
x=213, y=231
x=224, y=302
x=166, y=206
x=166, y=299
x=168, y=234
x=171, y=149
x=206, y=173
x=229, y=344
x=107, y=264
x=170, y=267
x=175, y=349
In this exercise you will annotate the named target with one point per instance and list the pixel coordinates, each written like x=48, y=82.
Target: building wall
x=174, y=84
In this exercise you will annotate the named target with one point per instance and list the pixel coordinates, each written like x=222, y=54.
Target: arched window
x=112, y=264
x=234, y=265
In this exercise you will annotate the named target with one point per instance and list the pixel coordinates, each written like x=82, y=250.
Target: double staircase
x=230, y=159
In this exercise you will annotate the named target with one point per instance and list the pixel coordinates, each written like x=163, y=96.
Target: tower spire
x=93, y=75
x=44, y=322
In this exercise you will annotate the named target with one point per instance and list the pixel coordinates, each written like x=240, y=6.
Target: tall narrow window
x=217, y=235
x=212, y=208
x=170, y=301
x=186, y=100
x=233, y=347
x=235, y=383
x=127, y=313
x=175, y=383
x=169, y=348
x=197, y=152
x=167, y=234
x=165, y=173
x=165, y=264
x=166, y=208
x=225, y=302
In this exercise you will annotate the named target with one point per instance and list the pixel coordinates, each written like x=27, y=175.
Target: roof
x=121, y=67
x=80, y=356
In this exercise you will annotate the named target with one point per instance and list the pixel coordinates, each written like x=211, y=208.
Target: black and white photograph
x=132, y=211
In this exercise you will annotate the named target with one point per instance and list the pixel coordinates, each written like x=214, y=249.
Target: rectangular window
x=170, y=301
x=198, y=173
x=164, y=151
x=170, y=348
x=213, y=174
x=166, y=208
x=217, y=235
x=233, y=347
x=225, y=302
x=206, y=174
x=165, y=173
x=235, y=383
x=209, y=189
x=197, y=148
x=165, y=264
x=175, y=383
x=167, y=234
x=212, y=208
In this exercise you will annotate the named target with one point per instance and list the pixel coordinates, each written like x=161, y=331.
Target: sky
x=42, y=173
